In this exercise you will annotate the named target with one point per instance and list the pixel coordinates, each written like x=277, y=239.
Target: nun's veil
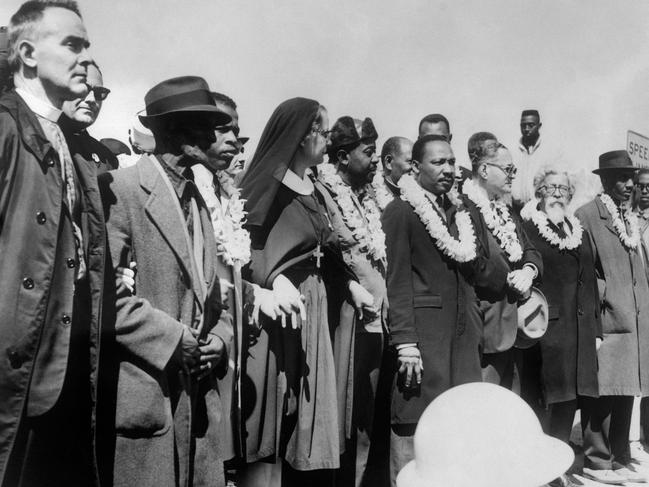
x=279, y=142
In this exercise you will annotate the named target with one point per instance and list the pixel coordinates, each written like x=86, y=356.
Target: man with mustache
x=623, y=357
x=435, y=328
x=51, y=257
x=359, y=340
x=511, y=264
x=80, y=114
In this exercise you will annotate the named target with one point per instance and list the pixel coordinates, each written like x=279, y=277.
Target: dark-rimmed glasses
x=510, y=171
x=642, y=187
x=553, y=188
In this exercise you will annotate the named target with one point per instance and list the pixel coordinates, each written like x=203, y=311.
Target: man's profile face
x=500, y=172
x=362, y=162
x=226, y=146
x=436, y=170
x=435, y=128
x=60, y=53
x=530, y=125
x=196, y=133
x=85, y=110
x=401, y=161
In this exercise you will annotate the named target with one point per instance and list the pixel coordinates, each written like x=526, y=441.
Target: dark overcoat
x=36, y=244
x=568, y=354
x=624, y=301
x=431, y=305
x=166, y=434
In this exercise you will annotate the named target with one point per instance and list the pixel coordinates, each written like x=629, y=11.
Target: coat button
x=14, y=359
x=71, y=263
x=50, y=162
x=41, y=218
x=66, y=320
x=28, y=283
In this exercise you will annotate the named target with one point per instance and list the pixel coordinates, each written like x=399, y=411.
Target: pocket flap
x=427, y=301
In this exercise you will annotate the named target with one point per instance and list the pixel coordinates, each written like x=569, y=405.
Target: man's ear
x=540, y=124
x=450, y=137
x=482, y=171
x=387, y=162
x=342, y=157
x=415, y=166
x=26, y=53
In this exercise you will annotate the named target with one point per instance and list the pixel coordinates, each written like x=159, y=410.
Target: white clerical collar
x=40, y=107
x=302, y=186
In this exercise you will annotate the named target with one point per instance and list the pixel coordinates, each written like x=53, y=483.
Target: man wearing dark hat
x=435, y=124
x=359, y=340
x=624, y=293
x=80, y=114
x=52, y=242
x=171, y=345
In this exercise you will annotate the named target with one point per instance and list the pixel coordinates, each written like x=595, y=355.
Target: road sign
x=638, y=148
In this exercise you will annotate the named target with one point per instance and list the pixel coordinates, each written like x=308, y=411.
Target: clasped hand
x=521, y=280
x=200, y=356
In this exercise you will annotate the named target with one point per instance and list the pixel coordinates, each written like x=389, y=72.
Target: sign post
x=638, y=148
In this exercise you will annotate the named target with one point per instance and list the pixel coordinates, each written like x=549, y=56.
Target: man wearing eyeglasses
x=510, y=263
x=80, y=114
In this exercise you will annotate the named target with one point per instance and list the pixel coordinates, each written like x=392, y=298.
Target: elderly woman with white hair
x=567, y=354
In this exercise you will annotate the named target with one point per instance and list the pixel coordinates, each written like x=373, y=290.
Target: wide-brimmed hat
x=533, y=316
x=615, y=160
x=483, y=435
x=182, y=94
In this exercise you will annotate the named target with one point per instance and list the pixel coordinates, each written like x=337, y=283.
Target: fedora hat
x=182, y=94
x=615, y=160
x=533, y=316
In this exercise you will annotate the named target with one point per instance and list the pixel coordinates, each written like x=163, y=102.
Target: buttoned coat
x=624, y=298
x=160, y=416
x=36, y=248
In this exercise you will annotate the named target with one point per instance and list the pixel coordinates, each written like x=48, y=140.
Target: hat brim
x=220, y=118
x=547, y=459
x=600, y=170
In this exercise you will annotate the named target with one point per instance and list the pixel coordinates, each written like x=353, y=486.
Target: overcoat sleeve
x=599, y=272
x=396, y=225
x=141, y=330
x=530, y=254
x=8, y=160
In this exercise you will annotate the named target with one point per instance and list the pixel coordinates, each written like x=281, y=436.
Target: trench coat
x=624, y=302
x=166, y=431
x=36, y=244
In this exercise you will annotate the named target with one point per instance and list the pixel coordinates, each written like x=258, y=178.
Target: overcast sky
x=583, y=64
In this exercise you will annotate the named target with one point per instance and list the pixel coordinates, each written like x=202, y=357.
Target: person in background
x=561, y=368
x=623, y=357
x=80, y=114
x=435, y=124
x=396, y=160
x=52, y=244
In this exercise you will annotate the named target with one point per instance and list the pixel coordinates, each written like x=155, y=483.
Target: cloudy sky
x=584, y=64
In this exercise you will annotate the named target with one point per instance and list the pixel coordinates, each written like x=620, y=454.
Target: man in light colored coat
x=624, y=293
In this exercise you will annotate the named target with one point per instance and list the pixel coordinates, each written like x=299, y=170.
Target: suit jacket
x=431, y=305
x=37, y=265
x=160, y=417
x=624, y=298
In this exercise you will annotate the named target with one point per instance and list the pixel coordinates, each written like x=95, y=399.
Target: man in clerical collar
x=52, y=259
x=435, y=124
x=80, y=114
x=396, y=158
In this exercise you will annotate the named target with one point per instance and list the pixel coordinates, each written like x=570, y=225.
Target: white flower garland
x=366, y=229
x=572, y=240
x=498, y=220
x=461, y=250
x=631, y=240
x=232, y=240
x=382, y=194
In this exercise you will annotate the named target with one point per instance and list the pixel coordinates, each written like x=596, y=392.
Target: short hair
x=545, y=171
x=434, y=118
x=391, y=146
x=420, y=145
x=22, y=23
x=530, y=113
x=479, y=150
x=224, y=99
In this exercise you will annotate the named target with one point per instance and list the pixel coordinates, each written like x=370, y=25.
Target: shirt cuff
x=534, y=269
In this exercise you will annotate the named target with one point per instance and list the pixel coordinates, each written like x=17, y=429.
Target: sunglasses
x=642, y=187
x=99, y=92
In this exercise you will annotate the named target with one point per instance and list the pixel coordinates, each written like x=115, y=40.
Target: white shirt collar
x=302, y=186
x=532, y=149
x=40, y=107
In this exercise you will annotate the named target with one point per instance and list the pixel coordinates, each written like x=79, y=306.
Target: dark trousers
x=501, y=368
x=558, y=419
x=605, y=423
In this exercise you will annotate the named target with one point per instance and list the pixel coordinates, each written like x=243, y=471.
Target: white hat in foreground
x=483, y=435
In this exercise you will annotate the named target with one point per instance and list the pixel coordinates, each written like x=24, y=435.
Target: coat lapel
x=606, y=216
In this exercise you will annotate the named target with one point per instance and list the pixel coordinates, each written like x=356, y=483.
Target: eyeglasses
x=324, y=133
x=510, y=171
x=642, y=187
x=100, y=92
x=553, y=188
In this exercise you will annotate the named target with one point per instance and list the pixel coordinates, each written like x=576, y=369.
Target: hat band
x=179, y=102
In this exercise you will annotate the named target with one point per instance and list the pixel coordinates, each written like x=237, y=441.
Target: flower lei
x=232, y=240
x=572, y=240
x=366, y=230
x=381, y=192
x=498, y=220
x=629, y=240
x=461, y=250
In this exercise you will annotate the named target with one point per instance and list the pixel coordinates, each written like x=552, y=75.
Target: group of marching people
x=184, y=322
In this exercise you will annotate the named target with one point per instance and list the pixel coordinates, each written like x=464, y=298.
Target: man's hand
x=521, y=280
x=188, y=349
x=127, y=276
x=362, y=299
x=225, y=286
x=212, y=353
x=410, y=364
x=289, y=300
